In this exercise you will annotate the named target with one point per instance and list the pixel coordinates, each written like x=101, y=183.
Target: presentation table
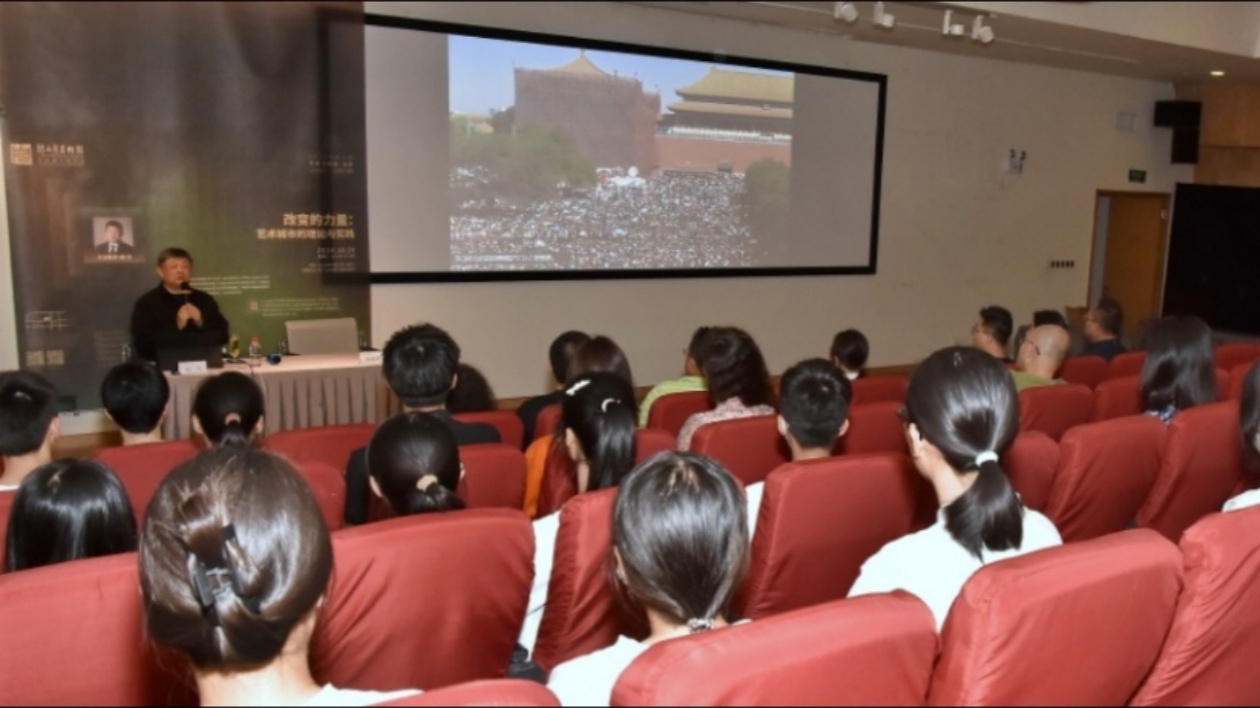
x=300, y=392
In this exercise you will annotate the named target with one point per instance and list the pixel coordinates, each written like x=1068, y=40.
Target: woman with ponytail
x=234, y=563
x=228, y=410
x=961, y=413
x=680, y=548
x=414, y=464
x=597, y=427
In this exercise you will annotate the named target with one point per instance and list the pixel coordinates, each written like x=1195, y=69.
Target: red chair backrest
x=750, y=448
x=547, y=422
x=330, y=444
x=559, y=481
x=1087, y=370
x=878, y=389
x=869, y=650
x=583, y=611
x=1117, y=398
x=6, y=505
x=141, y=468
x=1222, y=384
x=494, y=476
x=1201, y=465
x=1228, y=356
x=1070, y=625
x=490, y=692
x=1207, y=657
x=671, y=411
x=1236, y=376
x=74, y=635
x=873, y=427
x=508, y=423
x=649, y=441
x=328, y=485
x=1125, y=364
x=1054, y=409
x=819, y=521
x=424, y=601
x=1105, y=472
x=1030, y=463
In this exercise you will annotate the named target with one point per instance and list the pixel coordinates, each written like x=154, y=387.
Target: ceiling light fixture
x=949, y=29
x=883, y=19
x=1216, y=72
x=982, y=33
x=845, y=11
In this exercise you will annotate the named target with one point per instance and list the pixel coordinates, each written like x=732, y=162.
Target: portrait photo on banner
x=113, y=240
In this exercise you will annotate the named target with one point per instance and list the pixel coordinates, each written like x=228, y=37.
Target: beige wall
x=956, y=232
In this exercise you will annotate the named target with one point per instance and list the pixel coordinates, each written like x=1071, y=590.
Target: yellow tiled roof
x=743, y=85
x=730, y=109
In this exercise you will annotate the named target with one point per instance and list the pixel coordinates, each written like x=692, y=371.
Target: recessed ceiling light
x=1217, y=72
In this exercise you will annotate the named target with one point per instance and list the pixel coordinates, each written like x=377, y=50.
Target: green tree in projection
x=521, y=164
x=765, y=202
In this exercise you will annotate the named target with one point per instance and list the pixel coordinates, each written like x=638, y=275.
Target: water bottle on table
x=255, y=351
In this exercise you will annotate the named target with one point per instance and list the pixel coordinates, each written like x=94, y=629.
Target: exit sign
x=1137, y=176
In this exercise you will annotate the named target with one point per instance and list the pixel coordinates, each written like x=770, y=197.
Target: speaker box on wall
x=1178, y=114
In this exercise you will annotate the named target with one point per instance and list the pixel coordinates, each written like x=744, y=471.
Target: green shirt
x=679, y=385
x=1024, y=380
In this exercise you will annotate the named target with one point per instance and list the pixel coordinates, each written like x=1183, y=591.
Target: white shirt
x=330, y=695
x=752, y=494
x=1251, y=497
x=589, y=679
x=933, y=566
x=545, y=530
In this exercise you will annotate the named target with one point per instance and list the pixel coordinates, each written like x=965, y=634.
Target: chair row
x=1093, y=370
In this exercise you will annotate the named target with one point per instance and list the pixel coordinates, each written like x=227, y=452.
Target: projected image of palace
x=607, y=160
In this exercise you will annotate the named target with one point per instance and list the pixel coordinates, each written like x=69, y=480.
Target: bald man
x=1040, y=356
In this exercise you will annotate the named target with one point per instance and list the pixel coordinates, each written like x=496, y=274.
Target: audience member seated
x=136, y=397
x=680, y=545
x=559, y=354
x=737, y=378
x=1179, y=370
x=414, y=464
x=849, y=351
x=228, y=410
x=961, y=413
x=28, y=425
x=420, y=364
x=691, y=380
x=234, y=562
x=598, y=422
x=992, y=332
x=813, y=406
x=1102, y=329
x=1249, y=436
x=66, y=510
x=1049, y=317
x=1039, y=357
x=472, y=392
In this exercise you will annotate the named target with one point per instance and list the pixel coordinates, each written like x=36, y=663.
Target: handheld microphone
x=187, y=288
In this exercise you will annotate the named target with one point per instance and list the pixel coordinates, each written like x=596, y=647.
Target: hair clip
x=577, y=387
x=425, y=481
x=211, y=581
x=231, y=418
x=696, y=624
x=603, y=407
x=986, y=456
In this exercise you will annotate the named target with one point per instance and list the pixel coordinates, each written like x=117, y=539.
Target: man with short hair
x=28, y=424
x=691, y=380
x=1102, y=329
x=113, y=245
x=174, y=314
x=1040, y=356
x=419, y=363
x=849, y=351
x=813, y=413
x=992, y=331
x=136, y=397
x=558, y=355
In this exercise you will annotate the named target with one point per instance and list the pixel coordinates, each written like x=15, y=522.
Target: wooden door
x=1133, y=265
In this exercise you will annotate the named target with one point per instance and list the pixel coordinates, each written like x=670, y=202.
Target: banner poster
x=233, y=130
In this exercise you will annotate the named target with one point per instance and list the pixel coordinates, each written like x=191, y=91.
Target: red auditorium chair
x=1125, y=364
x=491, y=692
x=1087, y=370
x=1117, y=398
x=508, y=423
x=74, y=635
x=330, y=444
x=1222, y=384
x=1030, y=463
x=671, y=411
x=873, y=427
x=424, y=601
x=819, y=521
x=1207, y=657
x=1079, y=624
x=547, y=422
x=559, y=481
x=1201, y=465
x=1105, y=472
x=1054, y=409
x=869, y=650
x=878, y=389
x=141, y=468
x=494, y=476
x=328, y=486
x=6, y=505
x=750, y=448
x=1236, y=376
x=648, y=442
x=1228, y=356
